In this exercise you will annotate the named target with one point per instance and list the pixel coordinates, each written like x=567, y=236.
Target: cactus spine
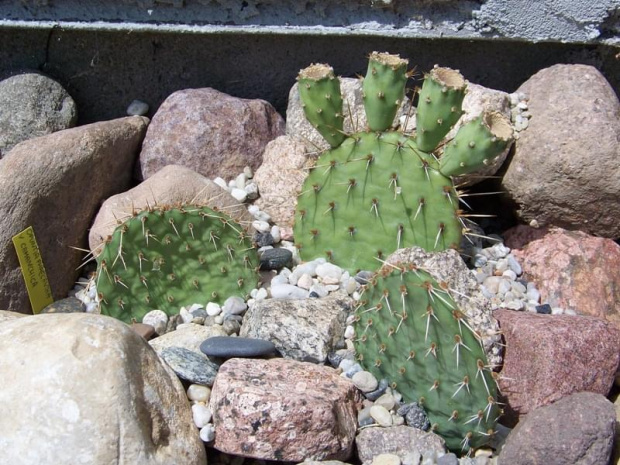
x=409, y=330
x=381, y=189
x=163, y=258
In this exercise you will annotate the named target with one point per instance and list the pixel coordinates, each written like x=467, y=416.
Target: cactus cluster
x=163, y=258
x=409, y=330
x=381, y=189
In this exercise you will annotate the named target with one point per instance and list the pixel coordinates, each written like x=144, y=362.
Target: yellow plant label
x=31, y=263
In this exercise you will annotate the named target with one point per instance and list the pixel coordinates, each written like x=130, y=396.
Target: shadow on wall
x=105, y=71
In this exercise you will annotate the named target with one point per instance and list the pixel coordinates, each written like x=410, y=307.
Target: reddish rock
x=281, y=409
x=577, y=430
x=210, y=132
x=573, y=270
x=565, y=169
x=519, y=236
x=548, y=357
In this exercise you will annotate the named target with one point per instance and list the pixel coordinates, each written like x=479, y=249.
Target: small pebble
x=146, y=331
x=213, y=309
x=234, y=305
x=157, y=319
x=229, y=347
x=305, y=281
x=364, y=418
x=202, y=415
x=329, y=271
x=241, y=195
x=544, y=309
x=261, y=226
x=319, y=290
x=263, y=239
x=198, y=393
x=274, y=259
x=190, y=366
x=381, y=415
x=207, y=433
x=381, y=389
x=510, y=275
x=365, y=381
x=448, y=459
x=387, y=400
x=386, y=459
x=220, y=182
x=240, y=180
x=247, y=170
x=349, y=332
x=415, y=416
x=275, y=234
x=355, y=368
x=186, y=317
x=363, y=277
x=137, y=108
x=251, y=189
x=261, y=294
x=288, y=291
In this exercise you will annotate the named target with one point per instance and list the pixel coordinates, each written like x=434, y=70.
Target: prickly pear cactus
x=409, y=330
x=164, y=258
x=378, y=190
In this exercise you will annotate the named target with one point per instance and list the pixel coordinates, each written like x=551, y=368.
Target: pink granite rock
x=548, y=357
x=565, y=169
x=573, y=270
x=210, y=132
x=281, y=409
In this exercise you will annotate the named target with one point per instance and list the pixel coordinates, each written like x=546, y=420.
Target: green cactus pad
x=409, y=331
x=165, y=258
x=439, y=106
x=322, y=102
x=476, y=143
x=384, y=89
x=373, y=195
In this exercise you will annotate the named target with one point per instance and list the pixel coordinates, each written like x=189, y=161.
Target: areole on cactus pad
x=163, y=258
x=380, y=189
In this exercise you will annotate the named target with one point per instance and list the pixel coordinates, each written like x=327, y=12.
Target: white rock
x=491, y=284
x=261, y=226
x=386, y=400
x=329, y=270
x=275, y=233
x=381, y=415
x=281, y=279
x=234, y=306
x=186, y=316
x=253, y=210
x=510, y=275
x=240, y=194
x=365, y=381
x=533, y=294
x=305, y=281
x=231, y=184
x=247, y=170
x=213, y=309
x=349, y=332
x=320, y=290
x=207, y=433
x=386, y=459
x=288, y=291
x=220, y=182
x=261, y=294
x=93, y=307
x=157, y=319
x=308, y=267
x=240, y=181
x=504, y=286
x=251, y=189
x=198, y=393
x=201, y=414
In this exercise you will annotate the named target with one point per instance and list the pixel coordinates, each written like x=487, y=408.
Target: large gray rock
x=578, y=429
x=305, y=330
x=173, y=185
x=55, y=184
x=32, y=105
x=565, y=169
x=80, y=388
x=210, y=132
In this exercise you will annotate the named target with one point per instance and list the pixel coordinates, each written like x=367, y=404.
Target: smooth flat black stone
x=229, y=347
x=190, y=366
x=274, y=259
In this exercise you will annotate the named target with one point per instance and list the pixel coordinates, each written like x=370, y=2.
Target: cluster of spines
x=410, y=331
x=167, y=257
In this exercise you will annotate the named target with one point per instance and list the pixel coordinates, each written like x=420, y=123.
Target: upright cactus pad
x=409, y=330
x=380, y=189
x=165, y=258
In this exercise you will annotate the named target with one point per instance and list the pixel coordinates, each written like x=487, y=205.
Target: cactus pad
x=409, y=330
x=165, y=258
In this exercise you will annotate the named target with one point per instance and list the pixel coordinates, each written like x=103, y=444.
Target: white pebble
x=207, y=433
x=349, y=332
x=386, y=400
x=504, y=286
x=513, y=264
x=515, y=305
x=202, y=415
x=305, y=281
x=381, y=415
x=365, y=381
x=261, y=226
x=93, y=307
x=231, y=184
x=247, y=170
x=397, y=420
x=240, y=181
x=157, y=319
x=239, y=194
x=234, y=306
x=198, y=393
x=491, y=284
x=350, y=286
x=288, y=291
x=186, y=316
x=329, y=270
x=220, y=182
x=320, y=289
x=262, y=216
x=533, y=294
x=213, y=309
x=275, y=233
x=510, y=275
x=261, y=294
x=386, y=459
x=251, y=189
